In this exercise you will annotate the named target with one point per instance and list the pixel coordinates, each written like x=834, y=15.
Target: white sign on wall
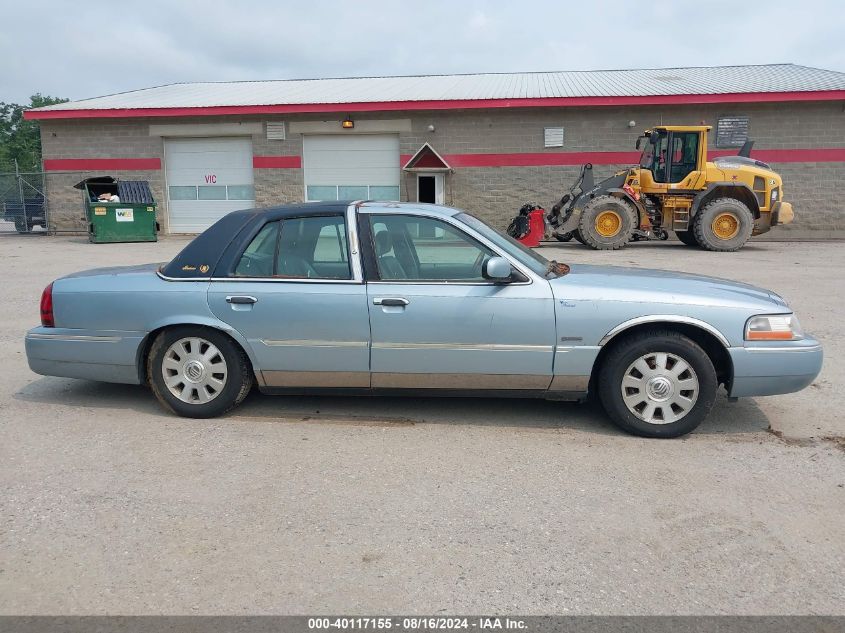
x=124, y=215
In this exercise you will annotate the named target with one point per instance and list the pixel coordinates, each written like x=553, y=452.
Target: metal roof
x=425, y=89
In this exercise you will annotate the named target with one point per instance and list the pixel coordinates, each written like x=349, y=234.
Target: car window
x=298, y=248
x=313, y=248
x=257, y=260
x=521, y=253
x=425, y=249
x=331, y=243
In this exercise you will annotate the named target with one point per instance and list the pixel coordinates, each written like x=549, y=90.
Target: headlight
x=773, y=327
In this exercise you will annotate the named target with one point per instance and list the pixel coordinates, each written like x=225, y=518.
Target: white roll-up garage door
x=206, y=179
x=353, y=167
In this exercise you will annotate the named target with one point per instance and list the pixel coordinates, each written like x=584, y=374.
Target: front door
x=430, y=188
x=437, y=323
x=297, y=298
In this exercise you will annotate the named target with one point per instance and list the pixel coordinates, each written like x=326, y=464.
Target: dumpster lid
x=135, y=192
x=105, y=180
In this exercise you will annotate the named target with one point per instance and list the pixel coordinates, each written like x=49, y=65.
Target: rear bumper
x=781, y=213
x=762, y=224
x=770, y=369
x=107, y=356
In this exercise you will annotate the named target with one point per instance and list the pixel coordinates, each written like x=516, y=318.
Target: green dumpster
x=118, y=210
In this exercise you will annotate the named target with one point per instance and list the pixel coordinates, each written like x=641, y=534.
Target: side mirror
x=497, y=269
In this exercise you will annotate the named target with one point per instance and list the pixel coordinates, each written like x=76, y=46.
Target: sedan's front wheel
x=198, y=372
x=657, y=384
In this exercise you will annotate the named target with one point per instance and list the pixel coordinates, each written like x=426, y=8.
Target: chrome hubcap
x=194, y=370
x=660, y=388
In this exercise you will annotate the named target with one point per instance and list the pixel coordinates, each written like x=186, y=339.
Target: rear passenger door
x=298, y=298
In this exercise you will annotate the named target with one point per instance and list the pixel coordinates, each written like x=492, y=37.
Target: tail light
x=47, y=307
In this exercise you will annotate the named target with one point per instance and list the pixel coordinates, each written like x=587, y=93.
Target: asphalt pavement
x=365, y=505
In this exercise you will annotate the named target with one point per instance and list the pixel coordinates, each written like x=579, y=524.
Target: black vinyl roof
x=202, y=255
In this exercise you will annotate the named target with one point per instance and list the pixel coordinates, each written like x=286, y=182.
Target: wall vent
x=553, y=136
x=276, y=131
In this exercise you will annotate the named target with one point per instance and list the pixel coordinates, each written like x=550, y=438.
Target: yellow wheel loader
x=717, y=205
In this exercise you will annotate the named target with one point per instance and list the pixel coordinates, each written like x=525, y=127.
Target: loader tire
x=724, y=225
x=607, y=223
x=578, y=237
x=687, y=237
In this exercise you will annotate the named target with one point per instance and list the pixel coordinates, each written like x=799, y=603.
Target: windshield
x=524, y=255
x=647, y=157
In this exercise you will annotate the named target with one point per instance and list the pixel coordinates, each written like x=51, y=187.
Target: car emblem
x=204, y=268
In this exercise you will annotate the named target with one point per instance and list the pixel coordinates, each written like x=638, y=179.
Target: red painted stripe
x=95, y=164
x=523, y=159
x=450, y=104
x=276, y=162
x=527, y=159
x=819, y=155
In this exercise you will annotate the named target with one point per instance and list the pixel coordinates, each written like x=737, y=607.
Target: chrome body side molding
x=460, y=381
x=665, y=318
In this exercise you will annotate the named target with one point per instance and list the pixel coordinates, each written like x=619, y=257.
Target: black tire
x=577, y=235
x=736, y=211
x=622, y=216
x=239, y=377
x=620, y=360
x=687, y=237
x=563, y=237
x=22, y=226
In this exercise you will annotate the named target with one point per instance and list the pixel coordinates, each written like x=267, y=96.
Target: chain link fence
x=23, y=204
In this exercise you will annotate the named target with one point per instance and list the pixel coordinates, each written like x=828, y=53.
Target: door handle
x=390, y=301
x=241, y=299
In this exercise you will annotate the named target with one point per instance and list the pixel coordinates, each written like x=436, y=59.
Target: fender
x=639, y=206
x=740, y=191
x=193, y=319
x=665, y=318
x=578, y=206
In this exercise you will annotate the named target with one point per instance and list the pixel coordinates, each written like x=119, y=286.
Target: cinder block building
x=486, y=142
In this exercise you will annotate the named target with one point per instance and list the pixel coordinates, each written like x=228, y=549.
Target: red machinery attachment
x=529, y=227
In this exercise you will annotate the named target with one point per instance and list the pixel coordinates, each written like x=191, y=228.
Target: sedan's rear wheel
x=198, y=372
x=657, y=384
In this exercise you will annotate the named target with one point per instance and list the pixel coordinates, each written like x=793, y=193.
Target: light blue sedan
x=415, y=299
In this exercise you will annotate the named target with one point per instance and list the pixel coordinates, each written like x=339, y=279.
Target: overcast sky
x=90, y=48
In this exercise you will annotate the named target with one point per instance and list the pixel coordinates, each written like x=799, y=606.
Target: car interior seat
x=388, y=264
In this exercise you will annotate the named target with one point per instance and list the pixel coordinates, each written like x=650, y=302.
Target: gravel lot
x=359, y=505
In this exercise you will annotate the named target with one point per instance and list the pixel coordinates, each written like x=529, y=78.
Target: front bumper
x=766, y=369
x=106, y=356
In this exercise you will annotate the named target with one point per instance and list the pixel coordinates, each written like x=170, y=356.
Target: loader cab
x=672, y=157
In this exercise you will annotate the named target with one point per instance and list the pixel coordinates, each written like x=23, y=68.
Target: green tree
x=20, y=139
